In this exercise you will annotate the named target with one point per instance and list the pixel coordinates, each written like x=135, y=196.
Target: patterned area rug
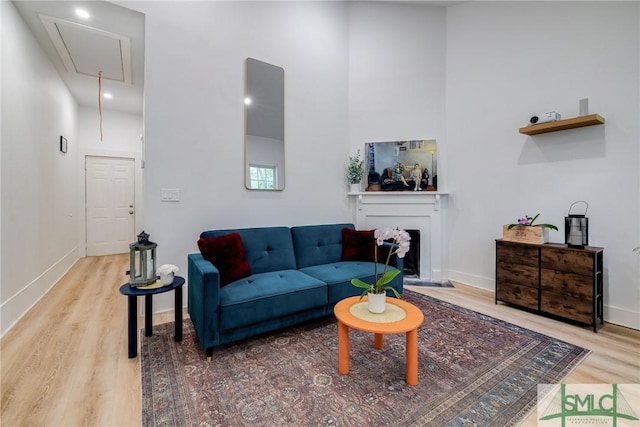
x=474, y=370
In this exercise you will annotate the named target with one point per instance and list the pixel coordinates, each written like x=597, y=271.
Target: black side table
x=132, y=293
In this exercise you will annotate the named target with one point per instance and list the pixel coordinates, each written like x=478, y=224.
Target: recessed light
x=107, y=95
x=81, y=13
x=247, y=101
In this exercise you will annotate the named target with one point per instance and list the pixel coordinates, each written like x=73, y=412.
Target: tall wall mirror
x=402, y=165
x=264, y=126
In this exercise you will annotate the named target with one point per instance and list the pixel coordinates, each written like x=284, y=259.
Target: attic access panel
x=87, y=50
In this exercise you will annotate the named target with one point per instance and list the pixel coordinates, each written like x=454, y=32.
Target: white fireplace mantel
x=414, y=210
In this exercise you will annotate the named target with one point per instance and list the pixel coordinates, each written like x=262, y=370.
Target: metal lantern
x=576, y=228
x=142, y=259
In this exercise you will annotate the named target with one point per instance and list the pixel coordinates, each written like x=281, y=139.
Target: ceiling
x=109, y=43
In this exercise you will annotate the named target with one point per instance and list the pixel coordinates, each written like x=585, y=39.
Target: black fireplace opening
x=412, y=258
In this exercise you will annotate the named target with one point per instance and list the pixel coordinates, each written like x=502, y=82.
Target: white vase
x=355, y=188
x=377, y=302
x=166, y=279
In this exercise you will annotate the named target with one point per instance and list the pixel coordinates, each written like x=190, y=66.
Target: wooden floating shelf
x=576, y=122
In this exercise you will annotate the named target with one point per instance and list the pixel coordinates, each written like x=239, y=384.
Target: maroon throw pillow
x=358, y=245
x=227, y=254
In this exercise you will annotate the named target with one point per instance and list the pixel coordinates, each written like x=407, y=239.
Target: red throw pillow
x=358, y=245
x=227, y=254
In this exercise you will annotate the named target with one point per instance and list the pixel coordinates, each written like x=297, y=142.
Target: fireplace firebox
x=412, y=258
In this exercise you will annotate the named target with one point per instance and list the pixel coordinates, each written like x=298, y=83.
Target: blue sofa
x=297, y=274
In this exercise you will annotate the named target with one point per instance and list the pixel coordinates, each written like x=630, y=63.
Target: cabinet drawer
x=571, y=284
x=517, y=273
x=571, y=261
x=519, y=295
x=567, y=307
x=515, y=253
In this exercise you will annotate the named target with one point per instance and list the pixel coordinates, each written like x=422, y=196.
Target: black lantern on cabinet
x=142, y=260
x=576, y=228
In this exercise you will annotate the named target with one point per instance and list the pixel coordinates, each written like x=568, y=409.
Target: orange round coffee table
x=399, y=317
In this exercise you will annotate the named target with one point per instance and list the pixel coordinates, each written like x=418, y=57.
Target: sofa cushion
x=338, y=277
x=265, y=296
x=266, y=248
x=318, y=244
x=226, y=252
x=358, y=245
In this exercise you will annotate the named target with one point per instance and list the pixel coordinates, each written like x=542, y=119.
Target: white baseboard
x=622, y=317
x=472, y=280
x=16, y=306
x=615, y=315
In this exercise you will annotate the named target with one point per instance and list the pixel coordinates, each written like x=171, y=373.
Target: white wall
x=396, y=74
x=194, y=83
x=121, y=133
x=509, y=60
x=39, y=195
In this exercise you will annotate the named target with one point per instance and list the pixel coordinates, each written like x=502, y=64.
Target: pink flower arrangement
x=400, y=242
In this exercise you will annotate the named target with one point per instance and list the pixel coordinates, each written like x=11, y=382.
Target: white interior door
x=110, y=205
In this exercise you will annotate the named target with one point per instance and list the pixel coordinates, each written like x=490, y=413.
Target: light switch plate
x=170, y=194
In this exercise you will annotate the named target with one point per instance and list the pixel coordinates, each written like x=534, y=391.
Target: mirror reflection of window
x=264, y=126
x=262, y=177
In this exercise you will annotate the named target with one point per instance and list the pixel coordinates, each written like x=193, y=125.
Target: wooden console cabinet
x=551, y=279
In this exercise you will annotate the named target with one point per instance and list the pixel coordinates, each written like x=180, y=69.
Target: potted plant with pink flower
x=526, y=231
x=529, y=222
x=399, y=243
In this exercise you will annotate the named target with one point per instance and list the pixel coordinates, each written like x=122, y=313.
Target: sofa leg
x=209, y=354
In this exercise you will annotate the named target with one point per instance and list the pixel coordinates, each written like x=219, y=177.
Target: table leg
x=378, y=340
x=177, y=336
x=148, y=315
x=132, y=314
x=343, y=348
x=412, y=357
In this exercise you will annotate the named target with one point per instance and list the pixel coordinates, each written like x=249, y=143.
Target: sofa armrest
x=204, y=299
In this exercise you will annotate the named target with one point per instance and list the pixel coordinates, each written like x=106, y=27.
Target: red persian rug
x=474, y=370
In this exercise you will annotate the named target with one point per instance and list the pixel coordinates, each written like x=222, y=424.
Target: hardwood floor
x=65, y=362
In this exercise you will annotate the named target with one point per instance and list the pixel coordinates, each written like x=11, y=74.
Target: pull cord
x=100, y=101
